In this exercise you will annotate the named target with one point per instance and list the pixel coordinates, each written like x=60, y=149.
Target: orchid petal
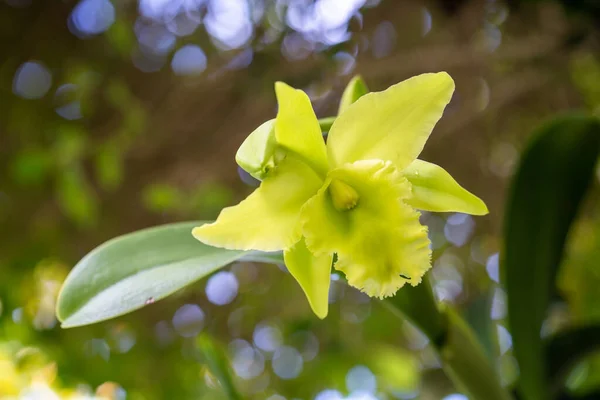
x=268, y=219
x=434, y=189
x=380, y=243
x=297, y=128
x=312, y=273
x=392, y=125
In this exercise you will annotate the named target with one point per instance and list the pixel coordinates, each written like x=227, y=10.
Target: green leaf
x=553, y=176
x=325, y=123
x=218, y=365
x=417, y=303
x=464, y=358
x=465, y=361
x=355, y=90
x=76, y=197
x=568, y=347
x=130, y=271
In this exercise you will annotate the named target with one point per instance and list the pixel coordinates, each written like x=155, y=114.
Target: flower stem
x=326, y=123
x=462, y=356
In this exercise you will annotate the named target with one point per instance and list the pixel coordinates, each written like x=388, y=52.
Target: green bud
x=256, y=154
x=356, y=89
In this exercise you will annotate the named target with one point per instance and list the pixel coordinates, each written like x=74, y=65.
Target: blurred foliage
x=101, y=136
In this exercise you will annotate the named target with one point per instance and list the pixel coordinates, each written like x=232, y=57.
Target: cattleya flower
x=356, y=196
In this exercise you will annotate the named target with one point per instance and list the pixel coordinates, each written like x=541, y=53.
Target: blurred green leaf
x=464, y=360
x=137, y=269
x=76, y=197
x=585, y=73
x=478, y=315
x=397, y=369
x=162, y=197
x=568, y=347
x=109, y=166
x=418, y=305
x=30, y=167
x=218, y=364
x=553, y=176
x=208, y=199
x=70, y=146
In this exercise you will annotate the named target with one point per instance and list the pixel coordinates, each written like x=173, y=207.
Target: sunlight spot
x=267, y=337
x=222, y=288
x=189, y=60
x=32, y=80
x=287, y=362
x=91, y=17
x=360, y=378
x=384, y=39
x=492, y=267
x=427, y=21
x=456, y=396
x=504, y=339
x=228, y=22
x=68, y=106
x=345, y=62
x=188, y=320
x=498, y=304
x=361, y=395
x=247, y=362
x=17, y=315
x=329, y=394
x=154, y=38
x=458, y=229
x=483, y=95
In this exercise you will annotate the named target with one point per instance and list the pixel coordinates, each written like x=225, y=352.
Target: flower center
x=343, y=196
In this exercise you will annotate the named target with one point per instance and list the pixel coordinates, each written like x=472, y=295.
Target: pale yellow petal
x=434, y=189
x=392, y=125
x=297, y=128
x=312, y=273
x=379, y=242
x=268, y=219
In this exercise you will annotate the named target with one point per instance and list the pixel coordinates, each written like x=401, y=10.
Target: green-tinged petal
x=434, y=189
x=297, y=128
x=392, y=125
x=266, y=220
x=312, y=273
x=355, y=90
x=255, y=155
x=379, y=242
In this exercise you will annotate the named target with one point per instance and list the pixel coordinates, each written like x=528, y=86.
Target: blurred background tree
x=121, y=115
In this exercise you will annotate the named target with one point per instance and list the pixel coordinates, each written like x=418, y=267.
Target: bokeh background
x=117, y=116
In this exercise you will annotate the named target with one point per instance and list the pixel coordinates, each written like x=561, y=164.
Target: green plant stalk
x=326, y=123
x=463, y=357
x=218, y=365
x=465, y=362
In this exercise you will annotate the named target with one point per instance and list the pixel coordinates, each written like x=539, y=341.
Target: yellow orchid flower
x=356, y=196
